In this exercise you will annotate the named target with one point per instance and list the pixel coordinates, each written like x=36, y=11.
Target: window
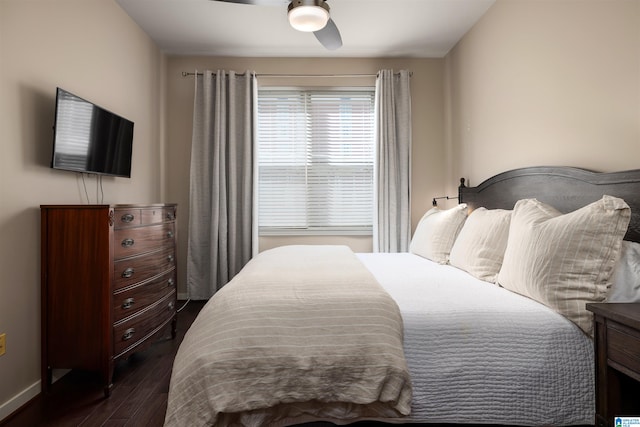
x=315, y=161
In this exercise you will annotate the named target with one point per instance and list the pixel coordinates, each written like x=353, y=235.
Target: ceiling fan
x=308, y=16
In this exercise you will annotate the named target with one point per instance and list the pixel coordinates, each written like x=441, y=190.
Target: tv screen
x=88, y=138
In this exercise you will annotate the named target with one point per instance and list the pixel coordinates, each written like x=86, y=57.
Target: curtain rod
x=187, y=74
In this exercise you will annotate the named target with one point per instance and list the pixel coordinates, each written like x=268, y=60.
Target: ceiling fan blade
x=257, y=2
x=329, y=36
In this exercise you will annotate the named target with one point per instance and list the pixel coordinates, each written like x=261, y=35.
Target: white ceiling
x=369, y=28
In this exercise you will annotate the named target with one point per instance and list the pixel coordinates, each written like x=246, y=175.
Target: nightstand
x=617, y=359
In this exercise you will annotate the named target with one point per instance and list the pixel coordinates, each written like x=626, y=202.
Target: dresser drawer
x=132, y=300
x=134, y=241
x=134, y=330
x=129, y=271
x=161, y=214
x=623, y=347
x=127, y=217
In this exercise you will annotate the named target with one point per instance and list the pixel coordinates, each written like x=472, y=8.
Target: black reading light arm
x=434, y=202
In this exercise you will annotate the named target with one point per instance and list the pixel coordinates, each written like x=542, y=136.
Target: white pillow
x=480, y=245
x=564, y=261
x=436, y=232
x=626, y=276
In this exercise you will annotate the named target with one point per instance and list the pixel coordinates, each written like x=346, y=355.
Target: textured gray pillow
x=626, y=276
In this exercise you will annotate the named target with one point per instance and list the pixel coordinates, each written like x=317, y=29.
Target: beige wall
x=91, y=48
x=427, y=97
x=546, y=82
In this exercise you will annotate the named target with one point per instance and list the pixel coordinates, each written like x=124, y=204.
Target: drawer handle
x=170, y=258
x=170, y=216
x=128, y=303
x=128, y=272
x=170, y=306
x=128, y=242
x=170, y=234
x=127, y=218
x=170, y=282
x=128, y=334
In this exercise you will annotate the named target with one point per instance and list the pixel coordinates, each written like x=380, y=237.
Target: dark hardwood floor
x=138, y=397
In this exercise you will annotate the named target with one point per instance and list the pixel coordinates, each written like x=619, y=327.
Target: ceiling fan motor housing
x=308, y=15
x=319, y=3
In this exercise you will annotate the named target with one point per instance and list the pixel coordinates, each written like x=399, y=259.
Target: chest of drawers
x=108, y=284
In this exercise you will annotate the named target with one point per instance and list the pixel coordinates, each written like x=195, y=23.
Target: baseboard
x=19, y=400
x=22, y=398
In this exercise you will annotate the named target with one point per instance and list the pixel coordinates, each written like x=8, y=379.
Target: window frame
x=310, y=230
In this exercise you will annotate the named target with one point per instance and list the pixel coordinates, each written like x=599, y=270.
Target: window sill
x=332, y=232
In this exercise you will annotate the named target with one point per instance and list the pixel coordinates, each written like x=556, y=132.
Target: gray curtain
x=392, y=219
x=221, y=193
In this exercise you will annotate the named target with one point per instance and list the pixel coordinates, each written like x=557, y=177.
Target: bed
x=306, y=334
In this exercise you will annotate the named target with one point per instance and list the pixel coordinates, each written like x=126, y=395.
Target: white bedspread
x=297, y=326
x=480, y=354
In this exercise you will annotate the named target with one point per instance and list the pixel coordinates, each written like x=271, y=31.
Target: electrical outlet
x=3, y=344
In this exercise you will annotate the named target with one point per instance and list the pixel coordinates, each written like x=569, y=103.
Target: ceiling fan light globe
x=308, y=18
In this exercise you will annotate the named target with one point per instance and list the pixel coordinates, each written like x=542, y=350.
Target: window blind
x=315, y=161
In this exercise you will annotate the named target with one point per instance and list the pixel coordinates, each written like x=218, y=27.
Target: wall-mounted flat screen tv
x=88, y=138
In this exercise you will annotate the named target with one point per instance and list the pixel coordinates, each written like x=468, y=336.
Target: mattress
x=478, y=353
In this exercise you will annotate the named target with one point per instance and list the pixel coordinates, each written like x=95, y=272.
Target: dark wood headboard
x=564, y=188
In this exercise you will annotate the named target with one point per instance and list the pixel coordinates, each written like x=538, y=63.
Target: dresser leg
x=107, y=390
x=47, y=379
